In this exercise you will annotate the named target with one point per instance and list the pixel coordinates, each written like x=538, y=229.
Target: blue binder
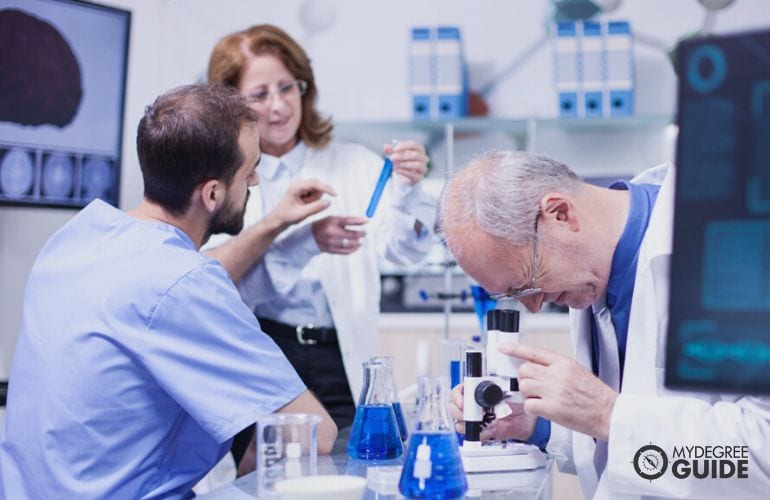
x=567, y=68
x=438, y=76
x=620, y=68
x=422, y=73
x=592, y=48
x=451, y=77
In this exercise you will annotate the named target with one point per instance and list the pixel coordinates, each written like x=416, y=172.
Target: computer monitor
x=62, y=89
x=719, y=316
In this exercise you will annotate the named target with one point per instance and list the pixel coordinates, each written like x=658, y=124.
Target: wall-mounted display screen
x=719, y=324
x=62, y=90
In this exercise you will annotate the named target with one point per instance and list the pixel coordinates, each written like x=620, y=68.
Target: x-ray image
x=62, y=89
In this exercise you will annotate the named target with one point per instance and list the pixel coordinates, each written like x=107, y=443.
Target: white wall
x=360, y=64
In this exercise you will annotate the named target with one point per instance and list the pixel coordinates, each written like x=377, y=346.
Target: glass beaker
x=403, y=428
x=433, y=467
x=375, y=435
x=287, y=448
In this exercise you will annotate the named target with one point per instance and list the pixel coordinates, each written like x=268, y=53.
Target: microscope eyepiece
x=503, y=320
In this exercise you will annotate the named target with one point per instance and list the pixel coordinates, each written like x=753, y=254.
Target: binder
x=422, y=74
x=567, y=68
x=438, y=76
x=620, y=69
x=451, y=75
x=592, y=49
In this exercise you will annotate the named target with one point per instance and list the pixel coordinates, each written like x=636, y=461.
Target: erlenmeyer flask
x=375, y=435
x=433, y=467
x=403, y=428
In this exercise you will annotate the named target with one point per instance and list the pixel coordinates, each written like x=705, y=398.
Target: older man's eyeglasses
x=526, y=291
x=295, y=88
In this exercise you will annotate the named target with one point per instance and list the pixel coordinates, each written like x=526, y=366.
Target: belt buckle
x=301, y=335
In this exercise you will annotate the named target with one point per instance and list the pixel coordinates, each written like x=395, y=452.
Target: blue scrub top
x=136, y=363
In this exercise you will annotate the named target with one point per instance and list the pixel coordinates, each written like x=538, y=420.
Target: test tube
x=387, y=170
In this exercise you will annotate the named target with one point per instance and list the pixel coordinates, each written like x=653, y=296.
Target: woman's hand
x=333, y=235
x=409, y=159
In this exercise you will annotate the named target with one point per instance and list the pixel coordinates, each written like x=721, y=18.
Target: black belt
x=305, y=334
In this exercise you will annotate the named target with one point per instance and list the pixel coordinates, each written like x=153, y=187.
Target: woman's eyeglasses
x=295, y=88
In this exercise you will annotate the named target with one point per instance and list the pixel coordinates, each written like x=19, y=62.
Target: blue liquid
x=401, y=421
x=375, y=434
x=387, y=169
x=447, y=477
x=454, y=373
x=482, y=302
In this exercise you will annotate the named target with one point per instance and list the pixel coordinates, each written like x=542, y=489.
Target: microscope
x=486, y=393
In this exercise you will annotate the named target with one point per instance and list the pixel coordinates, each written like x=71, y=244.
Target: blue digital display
x=719, y=321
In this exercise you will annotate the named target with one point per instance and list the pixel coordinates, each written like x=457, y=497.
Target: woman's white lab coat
x=351, y=283
x=645, y=411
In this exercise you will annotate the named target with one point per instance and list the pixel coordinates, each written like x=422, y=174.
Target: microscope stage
x=498, y=457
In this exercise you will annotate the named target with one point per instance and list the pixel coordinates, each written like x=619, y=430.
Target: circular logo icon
x=706, y=68
x=650, y=462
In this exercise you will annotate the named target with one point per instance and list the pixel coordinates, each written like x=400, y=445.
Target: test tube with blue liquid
x=452, y=357
x=433, y=467
x=453, y=353
x=375, y=434
x=385, y=174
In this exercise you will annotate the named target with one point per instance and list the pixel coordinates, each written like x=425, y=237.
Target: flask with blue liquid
x=433, y=467
x=375, y=434
x=403, y=428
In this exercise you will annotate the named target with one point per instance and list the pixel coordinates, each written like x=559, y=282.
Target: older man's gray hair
x=501, y=192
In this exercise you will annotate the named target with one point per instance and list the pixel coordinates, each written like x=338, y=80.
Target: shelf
x=514, y=126
x=464, y=125
x=620, y=123
x=593, y=147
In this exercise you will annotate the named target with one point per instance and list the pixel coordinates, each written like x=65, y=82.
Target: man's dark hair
x=188, y=136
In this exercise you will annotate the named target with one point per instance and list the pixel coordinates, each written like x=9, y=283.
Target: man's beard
x=228, y=220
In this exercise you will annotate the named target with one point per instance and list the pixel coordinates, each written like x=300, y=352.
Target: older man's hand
x=556, y=387
x=518, y=425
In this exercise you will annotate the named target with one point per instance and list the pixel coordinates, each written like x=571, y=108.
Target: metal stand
x=449, y=263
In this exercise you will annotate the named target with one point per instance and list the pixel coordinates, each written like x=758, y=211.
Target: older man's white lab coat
x=645, y=411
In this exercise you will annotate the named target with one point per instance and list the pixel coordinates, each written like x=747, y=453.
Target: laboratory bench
x=532, y=484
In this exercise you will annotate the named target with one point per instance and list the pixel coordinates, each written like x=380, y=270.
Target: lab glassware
x=287, y=448
x=433, y=467
x=452, y=356
x=403, y=428
x=387, y=169
x=375, y=434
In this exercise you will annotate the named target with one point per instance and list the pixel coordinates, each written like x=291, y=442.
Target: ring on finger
x=345, y=242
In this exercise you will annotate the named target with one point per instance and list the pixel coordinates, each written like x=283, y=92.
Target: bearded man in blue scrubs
x=137, y=361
